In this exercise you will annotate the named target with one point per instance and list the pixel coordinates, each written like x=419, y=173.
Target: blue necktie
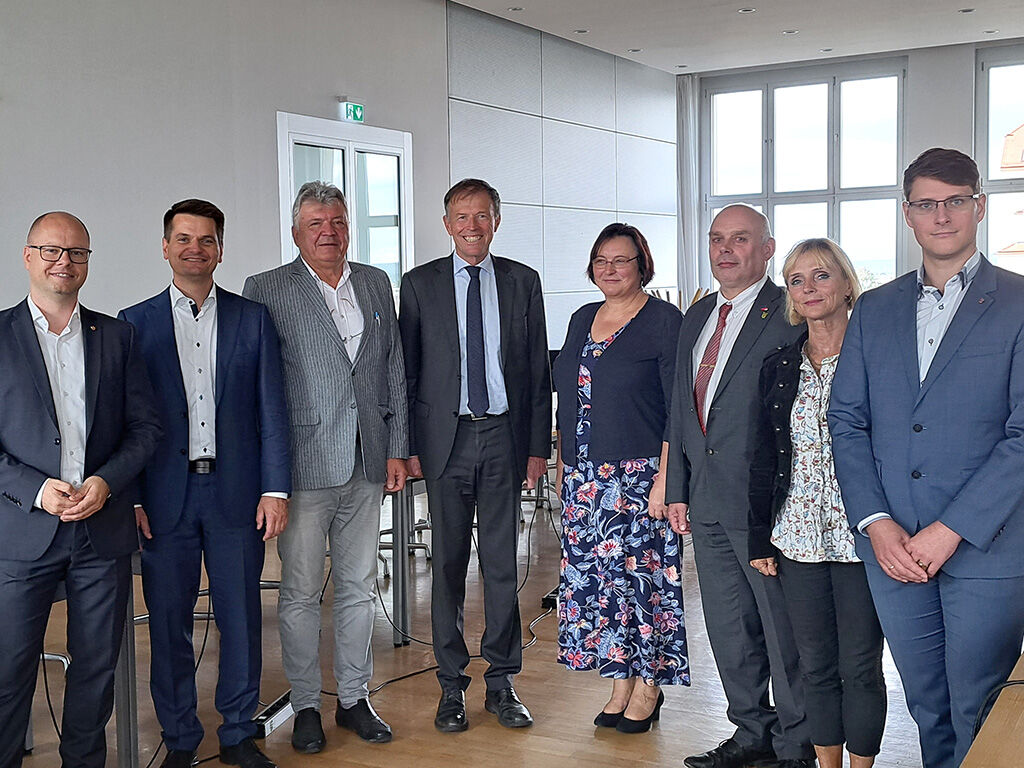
x=476, y=368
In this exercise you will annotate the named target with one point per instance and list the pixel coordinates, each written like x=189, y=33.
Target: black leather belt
x=202, y=466
x=471, y=417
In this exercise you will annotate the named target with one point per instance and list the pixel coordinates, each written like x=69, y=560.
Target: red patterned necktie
x=707, y=365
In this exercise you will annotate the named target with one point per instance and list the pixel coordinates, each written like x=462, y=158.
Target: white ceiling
x=711, y=35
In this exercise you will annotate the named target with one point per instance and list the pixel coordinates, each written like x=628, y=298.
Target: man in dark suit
x=78, y=425
x=479, y=388
x=927, y=420
x=217, y=486
x=722, y=342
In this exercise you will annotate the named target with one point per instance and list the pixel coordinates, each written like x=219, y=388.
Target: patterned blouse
x=812, y=526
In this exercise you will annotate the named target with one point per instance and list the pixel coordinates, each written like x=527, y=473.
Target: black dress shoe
x=608, y=719
x=451, y=712
x=246, y=754
x=307, y=732
x=362, y=719
x=729, y=754
x=511, y=712
x=179, y=758
x=626, y=725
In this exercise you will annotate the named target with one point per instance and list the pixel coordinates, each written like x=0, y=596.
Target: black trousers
x=480, y=478
x=840, y=643
x=97, y=595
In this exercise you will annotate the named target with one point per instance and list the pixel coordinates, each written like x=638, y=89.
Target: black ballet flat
x=626, y=725
x=608, y=719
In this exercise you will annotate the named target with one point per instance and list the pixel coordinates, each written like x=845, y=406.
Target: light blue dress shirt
x=492, y=335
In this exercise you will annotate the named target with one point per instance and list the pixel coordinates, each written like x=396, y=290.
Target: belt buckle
x=203, y=466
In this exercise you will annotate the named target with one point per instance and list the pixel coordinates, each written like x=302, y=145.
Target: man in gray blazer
x=722, y=342
x=345, y=386
x=479, y=386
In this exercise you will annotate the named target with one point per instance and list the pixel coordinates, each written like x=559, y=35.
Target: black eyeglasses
x=55, y=252
x=954, y=203
x=618, y=262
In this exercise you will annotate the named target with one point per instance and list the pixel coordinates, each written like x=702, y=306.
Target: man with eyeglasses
x=345, y=386
x=76, y=428
x=927, y=421
x=215, y=490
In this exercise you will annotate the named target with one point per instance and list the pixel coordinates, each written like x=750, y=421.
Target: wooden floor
x=563, y=703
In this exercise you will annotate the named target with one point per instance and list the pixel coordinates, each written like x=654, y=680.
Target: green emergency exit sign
x=351, y=111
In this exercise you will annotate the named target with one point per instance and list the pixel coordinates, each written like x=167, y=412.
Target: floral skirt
x=620, y=594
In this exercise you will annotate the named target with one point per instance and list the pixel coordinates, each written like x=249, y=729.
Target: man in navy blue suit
x=77, y=425
x=217, y=486
x=927, y=421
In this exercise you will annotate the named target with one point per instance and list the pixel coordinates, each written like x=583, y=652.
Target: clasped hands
x=912, y=559
x=62, y=499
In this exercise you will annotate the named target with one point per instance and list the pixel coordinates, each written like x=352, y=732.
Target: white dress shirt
x=497, y=398
x=741, y=304
x=64, y=356
x=344, y=308
x=196, y=338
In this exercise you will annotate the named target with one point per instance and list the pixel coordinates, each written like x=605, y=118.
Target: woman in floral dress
x=620, y=596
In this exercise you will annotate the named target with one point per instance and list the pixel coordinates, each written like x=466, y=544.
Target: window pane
x=736, y=143
x=1006, y=122
x=1005, y=219
x=867, y=133
x=867, y=232
x=377, y=217
x=381, y=176
x=318, y=164
x=794, y=223
x=801, y=137
x=384, y=251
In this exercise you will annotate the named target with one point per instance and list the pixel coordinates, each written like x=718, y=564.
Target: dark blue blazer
x=122, y=430
x=631, y=387
x=253, y=454
x=950, y=448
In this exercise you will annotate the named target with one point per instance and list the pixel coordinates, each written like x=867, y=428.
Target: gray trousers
x=348, y=518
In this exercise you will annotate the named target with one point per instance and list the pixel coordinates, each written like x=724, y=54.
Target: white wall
x=115, y=109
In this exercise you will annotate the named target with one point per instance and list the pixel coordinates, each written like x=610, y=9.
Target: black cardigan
x=631, y=387
x=771, y=449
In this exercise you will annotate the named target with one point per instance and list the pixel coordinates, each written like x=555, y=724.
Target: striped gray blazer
x=332, y=398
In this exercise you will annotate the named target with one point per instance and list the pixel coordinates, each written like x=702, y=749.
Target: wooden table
x=1000, y=743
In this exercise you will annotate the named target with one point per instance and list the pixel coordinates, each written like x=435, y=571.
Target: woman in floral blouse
x=798, y=526
x=621, y=600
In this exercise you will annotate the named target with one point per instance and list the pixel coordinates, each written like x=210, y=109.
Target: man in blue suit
x=217, y=486
x=77, y=425
x=927, y=420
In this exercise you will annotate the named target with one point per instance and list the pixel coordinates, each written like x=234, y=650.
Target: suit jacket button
x=918, y=427
x=782, y=384
x=711, y=452
x=56, y=441
x=351, y=405
x=916, y=475
x=183, y=452
x=785, y=362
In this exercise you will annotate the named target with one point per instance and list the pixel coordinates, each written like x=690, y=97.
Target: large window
x=1000, y=143
x=818, y=150
x=372, y=166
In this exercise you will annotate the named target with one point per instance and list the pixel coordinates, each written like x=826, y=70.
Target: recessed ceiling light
x=825, y=50
x=681, y=66
x=747, y=10
x=790, y=31
x=634, y=50
x=966, y=10
x=991, y=32
x=580, y=31
x=515, y=8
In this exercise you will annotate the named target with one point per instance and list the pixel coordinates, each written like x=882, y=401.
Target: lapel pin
x=92, y=327
x=764, y=312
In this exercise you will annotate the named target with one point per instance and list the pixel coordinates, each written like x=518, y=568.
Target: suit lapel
x=315, y=299
x=444, y=304
x=160, y=319
x=92, y=339
x=506, y=295
x=700, y=312
x=229, y=319
x=905, y=328
x=364, y=298
x=765, y=306
x=25, y=333
x=975, y=303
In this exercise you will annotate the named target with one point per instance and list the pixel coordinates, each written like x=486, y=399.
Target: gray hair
x=317, y=192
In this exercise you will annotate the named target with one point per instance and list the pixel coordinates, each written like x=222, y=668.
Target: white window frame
x=987, y=58
x=766, y=81
x=352, y=138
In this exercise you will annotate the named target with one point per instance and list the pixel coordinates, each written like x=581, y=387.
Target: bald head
x=56, y=216
x=740, y=246
x=757, y=219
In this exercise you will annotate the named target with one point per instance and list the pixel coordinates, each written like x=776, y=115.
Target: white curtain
x=687, y=156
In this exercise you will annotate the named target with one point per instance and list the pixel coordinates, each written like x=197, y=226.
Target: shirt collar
x=744, y=298
x=346, y=273
x=40, y=321
x=966, y=274
x=179, y=299
x=459, y=265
